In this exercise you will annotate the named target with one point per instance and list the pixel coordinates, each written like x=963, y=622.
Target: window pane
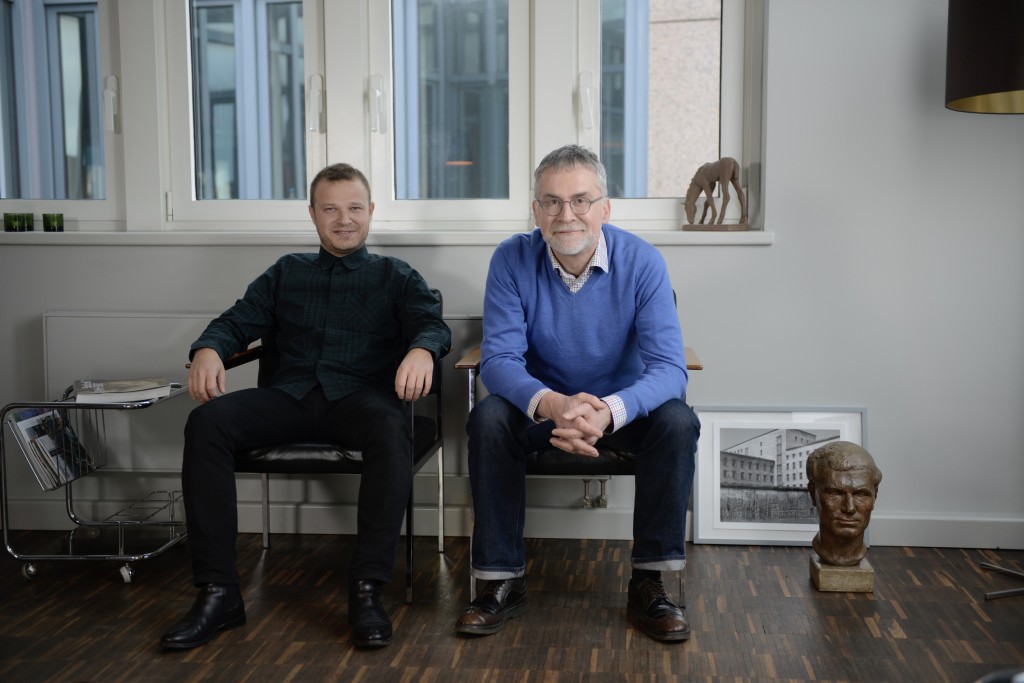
x=660, y=86
x=51, y=143
x=248, y=99
x=9, y=186
x=79, y=148
x=451, y=99
x=286, y=106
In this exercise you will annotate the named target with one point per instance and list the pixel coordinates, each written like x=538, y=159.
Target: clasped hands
x=580, y=421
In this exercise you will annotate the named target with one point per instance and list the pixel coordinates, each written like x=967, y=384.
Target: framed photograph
x=750, y=487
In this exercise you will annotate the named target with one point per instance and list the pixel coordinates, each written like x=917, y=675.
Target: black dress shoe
x=499, y=602
x=370, y=624
x=650, y=609
x=217, y=607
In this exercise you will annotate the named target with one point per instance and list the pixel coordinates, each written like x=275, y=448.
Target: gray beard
x=571, y=246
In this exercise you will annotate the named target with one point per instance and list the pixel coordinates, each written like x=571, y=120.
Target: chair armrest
x=242, y=357
x=471, y=360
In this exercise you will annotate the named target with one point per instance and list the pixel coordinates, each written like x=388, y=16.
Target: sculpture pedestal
x=859, y=578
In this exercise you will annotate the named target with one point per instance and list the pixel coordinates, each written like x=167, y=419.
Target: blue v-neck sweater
x=618, y=335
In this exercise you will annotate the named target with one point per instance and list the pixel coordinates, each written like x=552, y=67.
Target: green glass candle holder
x=14, y=222
x=53, y=222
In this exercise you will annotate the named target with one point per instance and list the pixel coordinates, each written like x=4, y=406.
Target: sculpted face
x=846, y=499
x=843, y=482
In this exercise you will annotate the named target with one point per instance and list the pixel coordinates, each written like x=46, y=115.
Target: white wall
x=894, y=281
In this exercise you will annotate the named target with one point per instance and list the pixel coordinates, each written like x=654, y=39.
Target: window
x=52, y=141
x=59, y=109
x=248, y=99
x=660, y=74
x=451, y=99
x=447, y=105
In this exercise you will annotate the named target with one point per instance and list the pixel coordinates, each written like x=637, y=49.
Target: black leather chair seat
x=318, y=458
x=556, y=462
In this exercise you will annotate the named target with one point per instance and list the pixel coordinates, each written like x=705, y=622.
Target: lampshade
x=985, y=56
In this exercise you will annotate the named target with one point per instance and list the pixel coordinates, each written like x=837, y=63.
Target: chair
x=327, y=458
x=552, y=461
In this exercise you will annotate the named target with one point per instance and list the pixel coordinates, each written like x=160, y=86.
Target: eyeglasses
x=552, y=206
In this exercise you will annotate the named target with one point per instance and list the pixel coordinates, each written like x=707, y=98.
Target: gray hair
x=570, y=156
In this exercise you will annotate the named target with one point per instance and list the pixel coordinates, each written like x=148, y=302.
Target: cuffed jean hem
x=677, y=565
x=497, y=574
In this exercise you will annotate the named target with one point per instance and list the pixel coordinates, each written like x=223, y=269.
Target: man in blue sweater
x=581, y=347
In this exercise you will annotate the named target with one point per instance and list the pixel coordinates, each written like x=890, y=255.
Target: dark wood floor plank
x=754, y=614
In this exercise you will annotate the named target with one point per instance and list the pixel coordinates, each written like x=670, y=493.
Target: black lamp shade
x=985, y=56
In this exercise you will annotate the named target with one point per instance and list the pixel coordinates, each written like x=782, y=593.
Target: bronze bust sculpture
x=843, y=482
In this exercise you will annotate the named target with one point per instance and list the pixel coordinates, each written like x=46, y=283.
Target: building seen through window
x=248, y=99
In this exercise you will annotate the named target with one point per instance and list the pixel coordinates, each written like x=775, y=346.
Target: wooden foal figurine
x=723, y=171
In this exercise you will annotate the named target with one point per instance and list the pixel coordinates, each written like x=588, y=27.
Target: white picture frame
x=750, y=485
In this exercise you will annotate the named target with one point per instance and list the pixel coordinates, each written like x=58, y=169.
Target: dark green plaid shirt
x=344, y=323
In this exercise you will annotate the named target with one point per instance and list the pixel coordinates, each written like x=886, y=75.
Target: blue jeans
x=500, y=435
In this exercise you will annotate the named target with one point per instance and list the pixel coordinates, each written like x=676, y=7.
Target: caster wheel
x=126, y=573
x=30, y=571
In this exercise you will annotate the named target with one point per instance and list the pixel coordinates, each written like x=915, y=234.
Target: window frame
x=31, y=33
x=182, y=210
x=156, y=181
x=446, y=214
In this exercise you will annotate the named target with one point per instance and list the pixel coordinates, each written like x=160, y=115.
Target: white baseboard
x=544, y=522
x=946, y=532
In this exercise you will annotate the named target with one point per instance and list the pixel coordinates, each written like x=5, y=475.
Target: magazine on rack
x=53, y=450
x=120, y=390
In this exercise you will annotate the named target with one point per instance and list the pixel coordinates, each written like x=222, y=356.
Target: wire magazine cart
x=63, y=441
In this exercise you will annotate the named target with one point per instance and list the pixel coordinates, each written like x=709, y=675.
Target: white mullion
x=588, y=57
x=555, y=70
x=313, y=61
x=346, y=69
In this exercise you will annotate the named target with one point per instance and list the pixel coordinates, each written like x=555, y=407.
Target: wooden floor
x=754, y=614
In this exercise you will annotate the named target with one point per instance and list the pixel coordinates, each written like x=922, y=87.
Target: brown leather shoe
x=650, y=610
x=499, y=602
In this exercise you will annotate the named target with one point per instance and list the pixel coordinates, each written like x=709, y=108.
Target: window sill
x=378, y=238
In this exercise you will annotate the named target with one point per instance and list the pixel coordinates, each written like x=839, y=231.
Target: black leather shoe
x=650, y=609
x=498, y=602
x=370, y=624
x=217, y=607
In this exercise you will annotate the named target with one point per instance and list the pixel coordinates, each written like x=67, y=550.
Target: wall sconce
x=985, y=56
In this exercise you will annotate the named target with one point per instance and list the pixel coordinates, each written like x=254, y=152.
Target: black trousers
x=371, y=420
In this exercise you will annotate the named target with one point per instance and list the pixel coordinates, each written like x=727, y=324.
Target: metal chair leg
x=440, y=500
x=266, y=509
x=588, y=502
x=408, y=550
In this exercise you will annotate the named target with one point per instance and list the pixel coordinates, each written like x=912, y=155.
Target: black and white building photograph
x=751, y=480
